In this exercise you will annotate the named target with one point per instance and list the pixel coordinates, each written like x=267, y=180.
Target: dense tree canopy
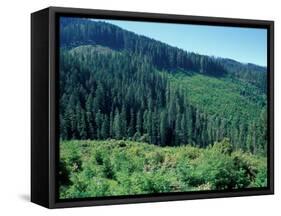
x=112, y=94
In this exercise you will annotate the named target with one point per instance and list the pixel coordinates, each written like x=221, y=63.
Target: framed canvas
x=139, y=107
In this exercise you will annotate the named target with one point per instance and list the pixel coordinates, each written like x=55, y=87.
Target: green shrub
x=99, y=156
x=71, y=155
x=108, y=169
x=223, y=147
x=112, y=167
x=63, y=173
x=261, y=177
x=217, y=167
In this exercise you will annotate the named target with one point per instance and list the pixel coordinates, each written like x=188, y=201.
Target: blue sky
x=247, y=45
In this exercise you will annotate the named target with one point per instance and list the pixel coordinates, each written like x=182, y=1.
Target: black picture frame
x=44, y=105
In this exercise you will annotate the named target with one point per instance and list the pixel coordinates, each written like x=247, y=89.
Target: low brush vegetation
x=117, y=167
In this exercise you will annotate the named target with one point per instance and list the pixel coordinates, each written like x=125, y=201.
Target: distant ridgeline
x=75, y=32
x=117, y=84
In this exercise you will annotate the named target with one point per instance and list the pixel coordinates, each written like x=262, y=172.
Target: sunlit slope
x=225, y=97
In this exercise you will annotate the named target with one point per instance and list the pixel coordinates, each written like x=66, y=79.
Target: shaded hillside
x=117, y=94
x=110, y=94
x=250, y=73
x=75, y=32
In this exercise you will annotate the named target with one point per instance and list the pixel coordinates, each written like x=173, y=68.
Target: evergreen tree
x=105, y=128
x=98, y=122
x=139, y=123
x=117, y=125
x=178, y=131
x=131, y=127
x=82, y=125
x=163, y=127
x=183, y=128
x=123, y=122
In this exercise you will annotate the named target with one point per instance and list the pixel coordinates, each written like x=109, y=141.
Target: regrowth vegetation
x=112, y=168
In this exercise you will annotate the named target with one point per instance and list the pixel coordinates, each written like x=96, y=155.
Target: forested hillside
x=75, y=32
x=116, y=84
